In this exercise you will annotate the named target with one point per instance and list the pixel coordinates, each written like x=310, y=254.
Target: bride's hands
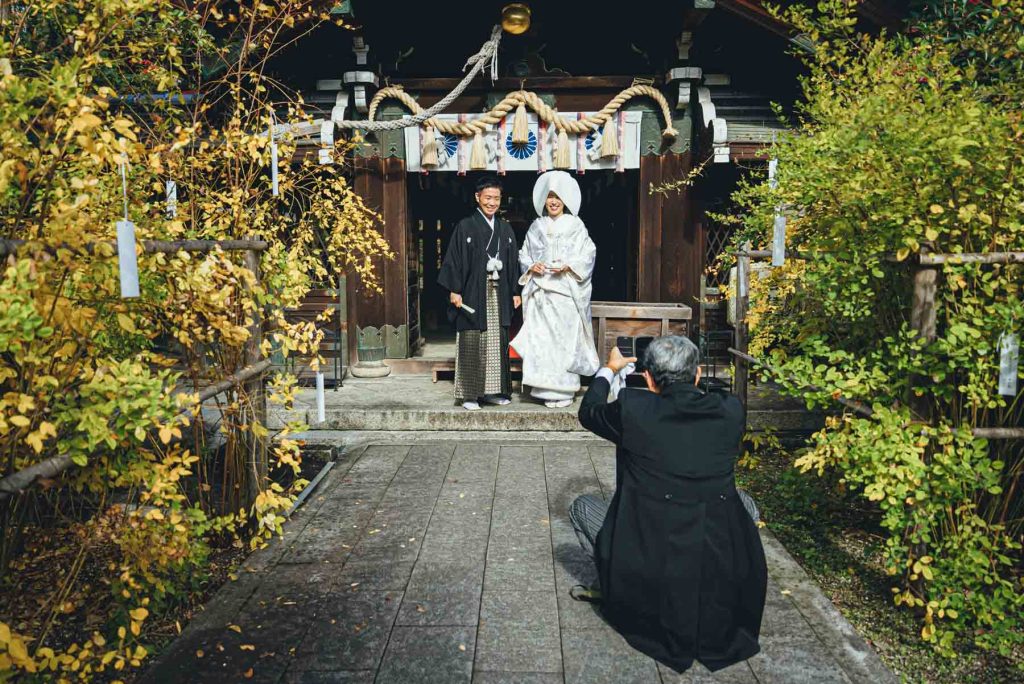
x=538, y=268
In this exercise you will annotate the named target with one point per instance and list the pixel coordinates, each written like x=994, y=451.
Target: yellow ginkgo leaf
x=126, y=323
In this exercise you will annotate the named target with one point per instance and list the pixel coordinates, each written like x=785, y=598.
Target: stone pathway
x=451, y=562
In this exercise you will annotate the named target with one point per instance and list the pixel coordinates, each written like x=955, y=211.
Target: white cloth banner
x=526, y=157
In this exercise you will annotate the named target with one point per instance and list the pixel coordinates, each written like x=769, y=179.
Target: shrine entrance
x=438, y=201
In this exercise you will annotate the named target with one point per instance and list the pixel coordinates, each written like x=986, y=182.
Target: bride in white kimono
x=556, y=341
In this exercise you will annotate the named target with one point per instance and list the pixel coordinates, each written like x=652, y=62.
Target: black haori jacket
x=464, y=270
x=680, y=562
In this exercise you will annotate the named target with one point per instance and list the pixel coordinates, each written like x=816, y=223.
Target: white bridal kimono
x=556, y=341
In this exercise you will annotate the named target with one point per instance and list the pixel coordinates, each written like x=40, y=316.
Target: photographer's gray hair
x=672, y=359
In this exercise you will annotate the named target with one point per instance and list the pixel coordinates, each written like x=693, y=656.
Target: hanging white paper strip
x=171, y=190
x=275, y=190
x=779, y=240
x=321, y=409
x=1008, y=352
x=127, y=261
x=324, y=157
x=773, y=167
x=741, y=275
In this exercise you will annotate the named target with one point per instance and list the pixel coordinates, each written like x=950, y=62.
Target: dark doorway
x=438, y=201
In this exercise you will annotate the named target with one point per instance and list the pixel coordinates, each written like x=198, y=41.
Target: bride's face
x=554, y=205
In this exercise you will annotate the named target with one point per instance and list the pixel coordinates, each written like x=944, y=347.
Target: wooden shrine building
x=718, y=65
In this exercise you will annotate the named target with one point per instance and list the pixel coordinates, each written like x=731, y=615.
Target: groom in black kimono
x=481, y=273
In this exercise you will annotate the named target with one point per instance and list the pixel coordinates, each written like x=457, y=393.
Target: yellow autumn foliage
x=103, y=103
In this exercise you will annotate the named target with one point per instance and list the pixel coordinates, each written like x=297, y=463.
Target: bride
x=556, y=341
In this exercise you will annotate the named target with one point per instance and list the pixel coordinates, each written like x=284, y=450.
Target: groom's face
x=489, y=199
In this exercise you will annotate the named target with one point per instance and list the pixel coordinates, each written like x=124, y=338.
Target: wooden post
x=922, y=319
x=256, y=446
x=742, y=368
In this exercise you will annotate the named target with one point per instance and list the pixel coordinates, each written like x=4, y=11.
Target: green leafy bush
x=904, y=146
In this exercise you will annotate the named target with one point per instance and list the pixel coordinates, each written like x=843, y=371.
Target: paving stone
x=454, y=546
x=347, y=491
x=781, y=615
x=428, y=655
x=524, y=524
x=473, y=463
x=443, y=594
x=378, y=463
x=602, y=655
x=519, y=564
x=316, y=545
x=222, y=609
x=795, y=660
x=519, y=632
x=459, y=499
x=572, y=614
x=740, y=673
x=511, y=573
x=215, y=657
x=374, y=575
x=349, y=632
x=517, y=678
x=308, y=579
x=322, y=677
x=425, y=463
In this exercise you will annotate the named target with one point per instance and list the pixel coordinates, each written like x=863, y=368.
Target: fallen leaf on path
x=462, y=647
x=247, y=647
x=199, y=653
x=785, y=592
x=235, y=628
x=248, y=673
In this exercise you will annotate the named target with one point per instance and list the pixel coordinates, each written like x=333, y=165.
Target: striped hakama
x=481, y=356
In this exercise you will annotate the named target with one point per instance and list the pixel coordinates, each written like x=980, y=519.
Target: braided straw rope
x=488, y=54
x=532, y=100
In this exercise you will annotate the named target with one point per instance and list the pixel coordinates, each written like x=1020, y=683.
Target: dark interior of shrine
x=437, y=202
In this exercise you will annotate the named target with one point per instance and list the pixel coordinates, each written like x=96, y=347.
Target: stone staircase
x=415, y=403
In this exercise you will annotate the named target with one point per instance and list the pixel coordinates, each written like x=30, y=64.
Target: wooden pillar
x=649, y=230
x=922, y=319
x=382, y=184
x=670, y=245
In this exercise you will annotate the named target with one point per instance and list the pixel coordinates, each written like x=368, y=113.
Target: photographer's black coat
x=680, y=563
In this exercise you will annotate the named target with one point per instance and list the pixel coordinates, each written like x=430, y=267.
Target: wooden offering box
x=636, y=319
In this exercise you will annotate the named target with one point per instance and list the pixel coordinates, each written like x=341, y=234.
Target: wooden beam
x=539, y=83
x=972, y=258
x=8, y=246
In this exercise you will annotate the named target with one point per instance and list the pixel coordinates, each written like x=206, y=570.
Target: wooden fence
x=922, y=317
x=250, y=378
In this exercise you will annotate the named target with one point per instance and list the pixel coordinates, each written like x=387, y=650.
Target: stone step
x=457, y=419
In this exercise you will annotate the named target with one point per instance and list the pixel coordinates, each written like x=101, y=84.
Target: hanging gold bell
x=515, y=18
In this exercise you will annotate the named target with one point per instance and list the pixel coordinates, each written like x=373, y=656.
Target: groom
x=480, y=272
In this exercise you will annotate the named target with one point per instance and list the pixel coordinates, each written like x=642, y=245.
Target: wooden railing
x=922, y=319
x=250, y=378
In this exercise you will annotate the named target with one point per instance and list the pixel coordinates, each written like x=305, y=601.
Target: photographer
x=680, y=564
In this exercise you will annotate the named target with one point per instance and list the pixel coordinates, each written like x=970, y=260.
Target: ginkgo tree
x=102, y=103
